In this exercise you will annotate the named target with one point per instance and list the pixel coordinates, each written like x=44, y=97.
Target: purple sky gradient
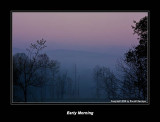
x=75, y=30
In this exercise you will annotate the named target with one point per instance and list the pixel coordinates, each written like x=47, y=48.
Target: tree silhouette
x=31, y=69
x=106, y=81
x=135, y=64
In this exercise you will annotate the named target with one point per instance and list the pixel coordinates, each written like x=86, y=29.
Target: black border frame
x=79, y=103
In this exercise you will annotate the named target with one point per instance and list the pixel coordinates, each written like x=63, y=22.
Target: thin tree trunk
x=25, y=94
x=25, y=88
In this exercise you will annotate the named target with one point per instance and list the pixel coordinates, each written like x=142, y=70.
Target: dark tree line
x=106, y=83
x=134, y=69
x=135, y=64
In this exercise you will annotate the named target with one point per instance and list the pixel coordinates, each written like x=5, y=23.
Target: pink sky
x=75, y=30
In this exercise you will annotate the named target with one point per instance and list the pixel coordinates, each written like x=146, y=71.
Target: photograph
x=80, y=57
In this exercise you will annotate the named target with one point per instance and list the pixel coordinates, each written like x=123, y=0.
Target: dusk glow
x=75, y=30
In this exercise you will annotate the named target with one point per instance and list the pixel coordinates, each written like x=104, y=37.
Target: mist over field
x=85, y=61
